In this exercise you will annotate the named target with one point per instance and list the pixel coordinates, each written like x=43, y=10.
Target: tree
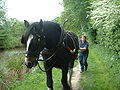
x=14, y=30
x=10, y=29
x=2, y=12
x=2, y=21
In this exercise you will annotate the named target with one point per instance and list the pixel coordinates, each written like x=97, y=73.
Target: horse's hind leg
x=70, y=72
x=49, y=80
x=64, y=79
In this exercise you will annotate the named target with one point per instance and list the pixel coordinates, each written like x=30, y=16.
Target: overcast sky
x=33, y=10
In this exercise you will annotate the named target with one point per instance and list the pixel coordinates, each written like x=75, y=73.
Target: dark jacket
x=84, y=45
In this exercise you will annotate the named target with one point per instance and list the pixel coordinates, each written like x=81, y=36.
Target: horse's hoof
x=50, y=89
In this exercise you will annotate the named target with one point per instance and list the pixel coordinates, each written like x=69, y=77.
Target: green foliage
x=111, y=62
x=105, y=18
x=2, y=76
x=100, y=19
x=2, y=38
x=31, y=81
x=37, y=80
x=76, y=13
x=15, y=76
x=2, y=20
x=2, y=12
x=10, y=29
x=14, y=63
x=13, y=30
x=10, y=67
x=103, y=72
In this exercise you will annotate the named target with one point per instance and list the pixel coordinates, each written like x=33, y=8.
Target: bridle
x=36, y=52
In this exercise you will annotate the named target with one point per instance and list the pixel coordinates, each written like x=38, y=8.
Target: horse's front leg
x=64, y=79
x=49, y=80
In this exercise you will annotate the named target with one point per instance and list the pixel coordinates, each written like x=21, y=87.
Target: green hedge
x=105, y=19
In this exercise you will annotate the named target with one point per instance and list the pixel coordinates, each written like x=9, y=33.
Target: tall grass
x=36, y=80
x=15, y=76
x=10, y=68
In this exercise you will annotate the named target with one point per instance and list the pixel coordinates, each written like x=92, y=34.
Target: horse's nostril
x=28, y=64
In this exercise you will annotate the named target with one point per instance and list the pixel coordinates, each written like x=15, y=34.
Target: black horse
x=59, y=48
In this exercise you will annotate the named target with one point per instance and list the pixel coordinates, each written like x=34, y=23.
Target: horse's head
x=34, y=41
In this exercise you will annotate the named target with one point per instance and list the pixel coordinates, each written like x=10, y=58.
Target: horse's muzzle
x=30, y=62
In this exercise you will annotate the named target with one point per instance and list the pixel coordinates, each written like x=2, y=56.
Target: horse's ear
x=41, y=23
x=26, y=23
x=41, y=20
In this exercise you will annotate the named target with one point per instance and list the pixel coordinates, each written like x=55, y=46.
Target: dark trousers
x=83, y=61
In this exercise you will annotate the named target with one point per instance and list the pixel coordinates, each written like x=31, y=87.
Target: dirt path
x=76, y=78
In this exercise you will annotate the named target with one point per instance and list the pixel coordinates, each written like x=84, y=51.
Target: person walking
x=83, y=53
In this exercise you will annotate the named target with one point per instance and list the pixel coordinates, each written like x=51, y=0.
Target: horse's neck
x=52, y=36
x=52, y=39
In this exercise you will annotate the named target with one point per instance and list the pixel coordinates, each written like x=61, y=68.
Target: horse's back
x=52, y=26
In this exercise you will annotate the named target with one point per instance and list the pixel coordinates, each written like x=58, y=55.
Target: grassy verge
x=102, y=73
x=15, y=76
x=10, y=68
x=36, y=80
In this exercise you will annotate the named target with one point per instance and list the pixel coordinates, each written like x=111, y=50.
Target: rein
x=48, y=59
x=47, y=69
